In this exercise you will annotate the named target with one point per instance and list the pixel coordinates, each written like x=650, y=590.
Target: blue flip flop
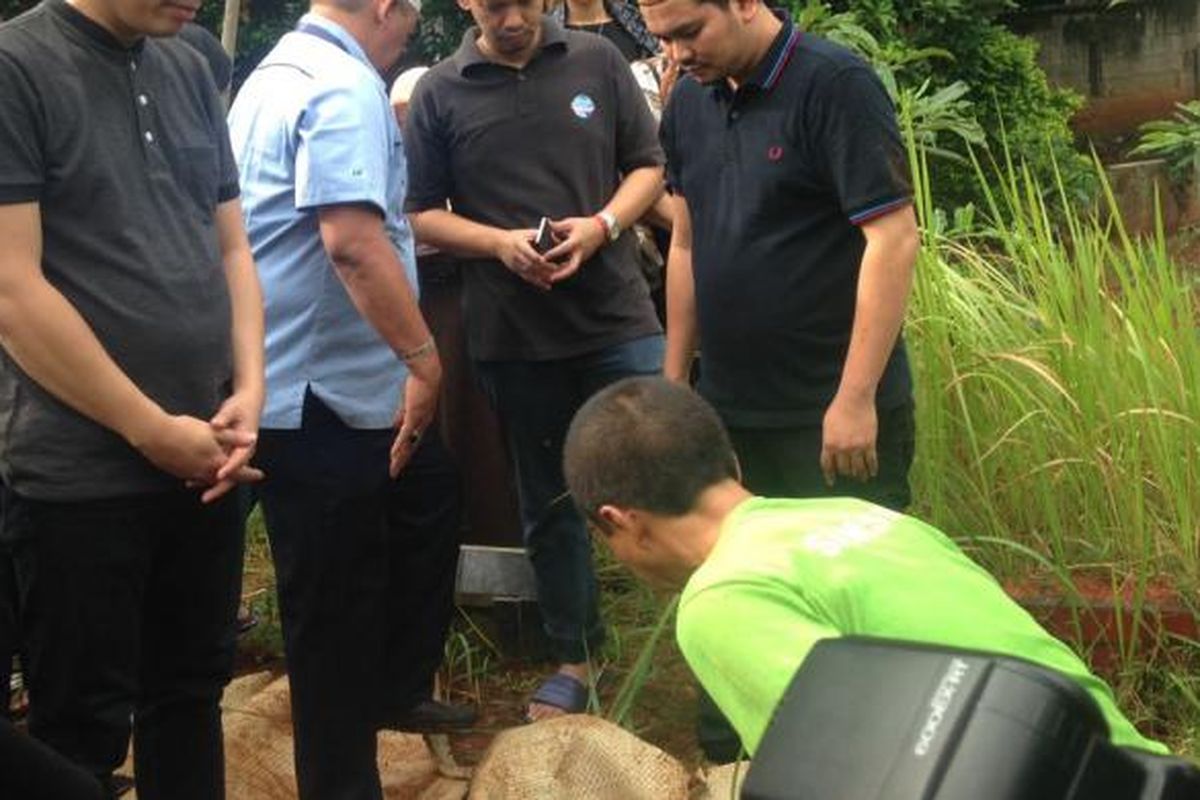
x=561, y=691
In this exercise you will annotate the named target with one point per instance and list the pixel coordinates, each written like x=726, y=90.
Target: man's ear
x=628, y=521
x=383, y=8
x=615, y=518
x=747, y=9
x=465, y=5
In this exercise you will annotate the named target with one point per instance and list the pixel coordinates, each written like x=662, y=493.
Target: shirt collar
x=780, y=53
x=93, y=31
x=766, y=74
x=469, y=55
x=351, y=44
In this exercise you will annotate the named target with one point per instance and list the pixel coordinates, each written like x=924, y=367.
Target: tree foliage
x=951, y=62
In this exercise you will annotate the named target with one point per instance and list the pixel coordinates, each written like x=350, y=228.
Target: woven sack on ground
x=258, y=752
x=720, y=783
x=576, y=757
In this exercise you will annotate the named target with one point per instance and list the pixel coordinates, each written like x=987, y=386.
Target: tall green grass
x=1057, y=366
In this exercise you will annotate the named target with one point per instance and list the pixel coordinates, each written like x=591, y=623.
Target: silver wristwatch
x=611, y=226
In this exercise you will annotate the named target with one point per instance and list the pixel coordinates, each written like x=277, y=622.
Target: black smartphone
x=544, y=240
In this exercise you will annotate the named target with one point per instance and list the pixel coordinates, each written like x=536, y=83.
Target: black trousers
x=127, y=609
x=365, y=586
x=786, y=463
x=29, y=770
x=424, y=517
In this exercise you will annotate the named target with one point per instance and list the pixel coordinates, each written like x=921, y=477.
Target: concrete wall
x=1132, y=63
x=1143, y=191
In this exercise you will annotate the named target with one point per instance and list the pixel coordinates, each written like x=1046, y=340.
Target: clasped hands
x=213, y=455
x=576, y=239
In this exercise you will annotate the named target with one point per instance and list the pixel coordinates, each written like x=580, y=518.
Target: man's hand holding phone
x=516, y=250
x=577, y=240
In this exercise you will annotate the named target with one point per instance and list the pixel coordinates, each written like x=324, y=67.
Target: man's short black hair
x=645, y=443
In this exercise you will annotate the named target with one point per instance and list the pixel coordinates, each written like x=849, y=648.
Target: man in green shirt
x=763, y=580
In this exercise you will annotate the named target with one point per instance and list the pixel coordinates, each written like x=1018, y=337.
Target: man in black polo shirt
x=527, y=120
x=793, y=250
x=131, y=383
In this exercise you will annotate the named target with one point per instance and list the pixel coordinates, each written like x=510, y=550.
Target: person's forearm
x=455, y=234
x=638, y=192
x=659, y=213
x=681, y=295
x=681, y=315
x=884, y=283
x=371, y=271
x=246, y=301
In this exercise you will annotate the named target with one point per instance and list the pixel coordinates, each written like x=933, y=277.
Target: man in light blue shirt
x=350, y=362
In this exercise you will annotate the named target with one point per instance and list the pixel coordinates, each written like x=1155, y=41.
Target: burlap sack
x=720, y=783
x=258, y=751
x=576, y=757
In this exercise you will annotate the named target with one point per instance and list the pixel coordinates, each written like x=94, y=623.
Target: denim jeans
x=127, y=609
x=536, y=401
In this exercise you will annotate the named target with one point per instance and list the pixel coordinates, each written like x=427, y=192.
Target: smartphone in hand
x=544, y=240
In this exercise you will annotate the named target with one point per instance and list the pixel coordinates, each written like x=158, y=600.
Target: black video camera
x=872, y=719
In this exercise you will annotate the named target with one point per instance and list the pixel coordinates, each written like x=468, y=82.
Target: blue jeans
x=536, y=401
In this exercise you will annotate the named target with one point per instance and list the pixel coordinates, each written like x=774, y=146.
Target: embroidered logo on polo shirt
x=583, y=106
x=775, y=153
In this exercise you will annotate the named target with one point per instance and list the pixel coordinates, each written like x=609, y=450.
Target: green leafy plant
x=928, y=112
x=1001, y=87
x=932, y=113
x=1175, y=140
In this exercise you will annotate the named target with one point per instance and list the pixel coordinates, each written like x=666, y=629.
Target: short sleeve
x=427, y=148
x=228, y=188
x=227, y=171
x=637, y=137
x=22, y=135
x=746, y=668
x=858, y=139
x=343, y=151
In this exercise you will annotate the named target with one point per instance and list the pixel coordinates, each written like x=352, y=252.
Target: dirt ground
x=665, y=713
x=499, y=681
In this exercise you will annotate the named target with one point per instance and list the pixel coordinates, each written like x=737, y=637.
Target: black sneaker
x=433, y=716
x=119, y=785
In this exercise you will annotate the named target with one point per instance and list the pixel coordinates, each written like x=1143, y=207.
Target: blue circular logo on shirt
x=583, y=106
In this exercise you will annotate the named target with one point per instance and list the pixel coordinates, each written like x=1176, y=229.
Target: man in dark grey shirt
x=527, y=120
x=130, y=385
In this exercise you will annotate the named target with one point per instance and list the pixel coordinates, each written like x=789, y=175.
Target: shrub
x=1175, y=140
x=938, y=44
